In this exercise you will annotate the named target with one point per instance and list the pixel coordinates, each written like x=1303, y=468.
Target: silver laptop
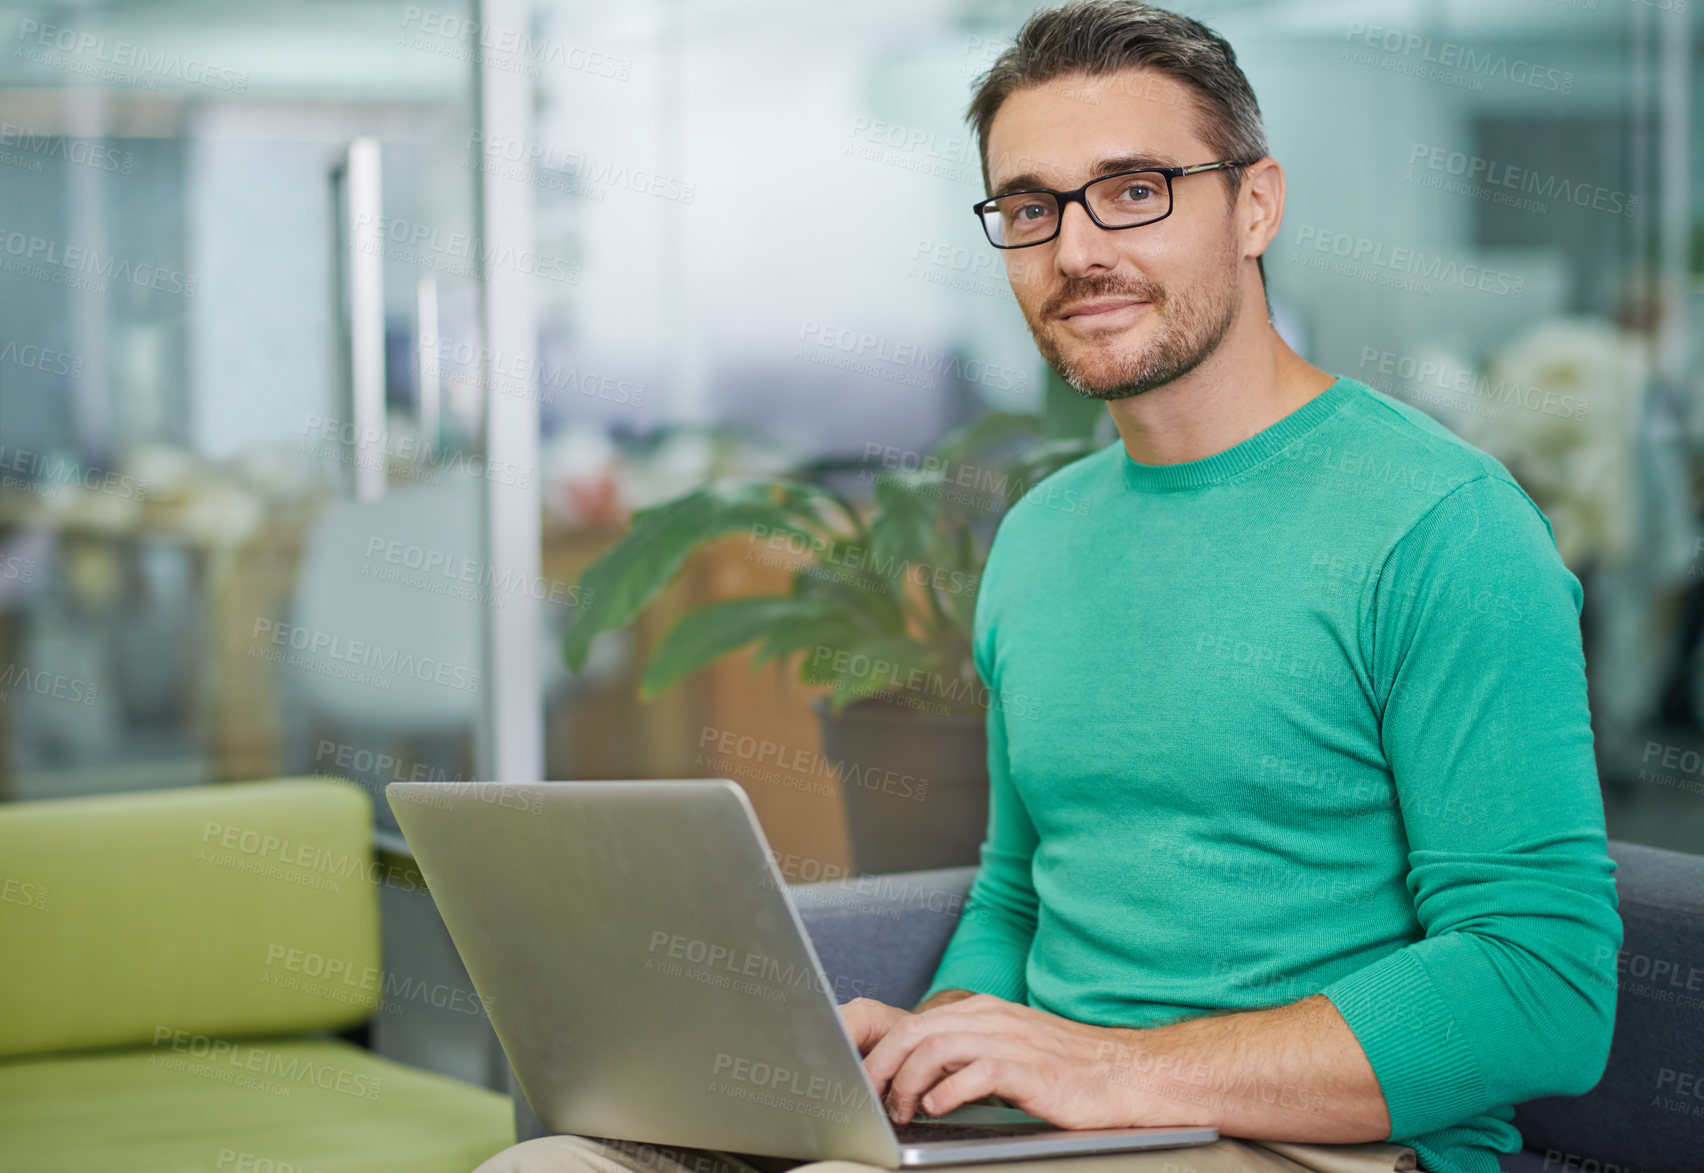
x=650, y=979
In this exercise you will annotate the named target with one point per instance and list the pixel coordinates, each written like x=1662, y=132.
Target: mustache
x=1078, y=289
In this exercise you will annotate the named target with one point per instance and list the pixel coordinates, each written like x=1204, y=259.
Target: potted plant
x=880, y=613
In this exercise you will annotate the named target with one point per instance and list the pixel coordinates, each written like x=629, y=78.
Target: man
x=1302, y=837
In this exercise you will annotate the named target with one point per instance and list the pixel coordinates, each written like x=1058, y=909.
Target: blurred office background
x=308, y=307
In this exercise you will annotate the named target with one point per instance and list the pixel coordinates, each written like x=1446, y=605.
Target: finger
x=867, y=1021
x=896, y=1044
x=978, y=1014
x=935, y=1058
x=980, y=1080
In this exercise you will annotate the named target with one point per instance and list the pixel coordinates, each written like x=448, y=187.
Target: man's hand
x=951, y=1054
x=868, y=1021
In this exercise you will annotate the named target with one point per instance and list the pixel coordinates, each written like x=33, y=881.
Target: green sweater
x=1305, y=716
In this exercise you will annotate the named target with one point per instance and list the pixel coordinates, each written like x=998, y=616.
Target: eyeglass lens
x=1118, y=201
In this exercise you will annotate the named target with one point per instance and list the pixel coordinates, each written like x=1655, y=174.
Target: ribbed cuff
x=1417, y=1048
x=982, y=975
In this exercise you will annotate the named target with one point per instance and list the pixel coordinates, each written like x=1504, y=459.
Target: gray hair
x=1095, y=38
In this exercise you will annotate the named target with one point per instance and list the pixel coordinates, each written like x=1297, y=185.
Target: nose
x=1082, y=246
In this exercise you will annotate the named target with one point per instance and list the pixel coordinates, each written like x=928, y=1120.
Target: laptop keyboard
x=919, y=1131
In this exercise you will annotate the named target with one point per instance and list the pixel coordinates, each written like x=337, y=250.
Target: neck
x=1249, y=383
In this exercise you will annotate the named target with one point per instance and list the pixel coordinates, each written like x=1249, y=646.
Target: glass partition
x=1489, y=216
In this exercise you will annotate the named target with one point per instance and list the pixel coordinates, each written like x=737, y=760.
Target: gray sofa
x=884, y=935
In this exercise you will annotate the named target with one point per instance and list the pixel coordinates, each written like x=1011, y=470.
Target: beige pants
x=580, y=1154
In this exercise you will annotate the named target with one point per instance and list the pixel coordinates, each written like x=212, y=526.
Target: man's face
x=1117, y=313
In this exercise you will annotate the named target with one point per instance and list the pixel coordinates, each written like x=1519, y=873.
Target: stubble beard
x=1189, y=329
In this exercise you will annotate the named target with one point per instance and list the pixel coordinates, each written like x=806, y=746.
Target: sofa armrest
x=186, y=910
x=882, y=936
x=1644, y=1112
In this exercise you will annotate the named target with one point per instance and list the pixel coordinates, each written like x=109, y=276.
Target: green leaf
x=986, y=433
x=904, y=530
x=716, y=629
x=961, y=604
x=855, y=599
x=628, y=576
x=868, y=599
x=796, y=635
x=866, y=667
x=1038, y=463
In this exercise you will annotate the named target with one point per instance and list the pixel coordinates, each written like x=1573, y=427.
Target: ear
x=1260, y=206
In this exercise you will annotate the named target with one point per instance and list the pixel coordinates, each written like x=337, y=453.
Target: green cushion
x=223, y=910
x=262, y=1106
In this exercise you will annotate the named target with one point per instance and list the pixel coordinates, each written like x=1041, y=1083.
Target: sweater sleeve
x=1472, y=640
x=989, y=950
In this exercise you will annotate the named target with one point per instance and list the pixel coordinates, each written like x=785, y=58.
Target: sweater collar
x=1239, y=458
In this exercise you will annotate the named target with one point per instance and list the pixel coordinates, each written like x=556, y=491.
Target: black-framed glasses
x=1125, y=199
